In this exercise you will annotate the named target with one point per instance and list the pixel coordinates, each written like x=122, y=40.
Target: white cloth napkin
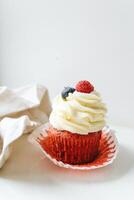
x=21, y=111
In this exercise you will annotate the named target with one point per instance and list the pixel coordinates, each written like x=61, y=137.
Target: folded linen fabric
x=21, y=111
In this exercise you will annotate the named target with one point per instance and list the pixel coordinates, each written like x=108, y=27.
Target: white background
x=29, y=176
x=57, y=43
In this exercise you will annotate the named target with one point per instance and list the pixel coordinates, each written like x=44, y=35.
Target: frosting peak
x=80, y=113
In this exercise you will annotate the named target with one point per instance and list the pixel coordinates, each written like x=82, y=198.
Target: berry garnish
x=84, y=87
x=66, y=91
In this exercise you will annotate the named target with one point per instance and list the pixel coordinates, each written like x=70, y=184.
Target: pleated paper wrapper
x=108, y=149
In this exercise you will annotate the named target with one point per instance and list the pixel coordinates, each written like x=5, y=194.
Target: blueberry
x=66, y=91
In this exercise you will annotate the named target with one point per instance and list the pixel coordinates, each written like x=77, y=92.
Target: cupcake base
x=69, y=147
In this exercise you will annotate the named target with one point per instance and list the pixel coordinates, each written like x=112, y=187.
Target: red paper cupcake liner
x=71, y=148
x=107, y=151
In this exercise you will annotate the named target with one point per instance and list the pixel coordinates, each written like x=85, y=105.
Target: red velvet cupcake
x=77, y=120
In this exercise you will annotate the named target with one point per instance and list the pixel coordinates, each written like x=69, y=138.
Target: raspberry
x=84, y=87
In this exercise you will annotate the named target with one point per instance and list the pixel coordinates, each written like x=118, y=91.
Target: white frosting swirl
x=80, y=113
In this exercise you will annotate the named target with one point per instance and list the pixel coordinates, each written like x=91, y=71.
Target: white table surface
x=27, y=175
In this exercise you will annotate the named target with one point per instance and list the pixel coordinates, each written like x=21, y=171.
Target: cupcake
x=76, y=123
